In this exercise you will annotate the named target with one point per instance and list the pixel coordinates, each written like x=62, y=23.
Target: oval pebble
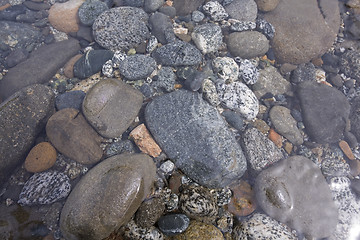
x=173, y=224
x=200, y=231
x=40, y=158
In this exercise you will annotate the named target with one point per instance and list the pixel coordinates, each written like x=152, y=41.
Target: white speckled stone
x=226, y=68
x=248, y=72
x=215, y=10
x=207, y=37
x=238, y=97
x=209, y=92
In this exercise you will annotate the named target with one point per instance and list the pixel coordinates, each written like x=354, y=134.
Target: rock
x=196, y=138
x=144, y=141
x=152, y=5
x=39, y=67
x=173, y=224
x=168, y=10
x=297, y=197
x=69, y=66
x=15, y=57
x=265, y=28
x=238, y=97
x=200, y=231
x=304, y=72
x=137, y=66
x=18, y=35
x=350, y=65
x=346, y=150
x=162, y=27
x=240, y=26
x=37, y=6
x=10, y=13
x=267, y=5
x=121, y=28
x=185, y=7
x=208, y=89
x=285, y=124
x=177, y=53
x=243, y=10
x=134, y=3
x=247, y=44
x=107, y=196
x=234, y=119
x=91, y=62
x=22, y=118
x=243, y=200
x=226, y=68
x=119, y=105
x=215, y=10
x=355, y=117
x=207, y=37
x=275, y=138
x=165, y=80
x=72, y=99
x=116, y=148
x=90, y=10
x=310, y=36
x=334, y=167
x=40, y=158
x=260, y=151
x=45, y=188
x=225, y=222
x=248, y=72
x=260, y=226
x=197, y=16
x=133, y=231
x=149, y=212
x=167, y=167
x=72, y=136
x=271, y=81
x=64, y=16
x=323, y=108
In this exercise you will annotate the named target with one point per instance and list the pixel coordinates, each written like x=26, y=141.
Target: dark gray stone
x=152, y=5
x=295, y=192
x=40, y=67
x=304, y=72
x=161, y=27
x=18, y=35
x=247, y=44
x=116, y=148
x=178, y=53
x=91, y=62
x=10, y=13
x=134, y=3
x=90, y=10
x=194, y=135
x=325, y=111
x=15, y=57
x=137, y=66
x=37, y=6
x=185, y=7
x=165, y=79
x=22, y=117
x=350, y=64
x=355, y=117
x=173, y=224
x=149, y=212
x=168, y=10
x=234, y=119
x=71, y=99
x=243, y=10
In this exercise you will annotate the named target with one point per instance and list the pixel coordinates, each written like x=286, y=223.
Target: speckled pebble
x=335, y=167
x=209, y=92
x=137, y=66
x=265, y=28
x=107, y=69
x=243, y=200
x=248, y=72
x=222, y=195
x=215, y=10
x=225, y=221
x=207, y=37
x=165, y=79
x=90, y=10
x=135, y=232
x=197, y=16
x=200, y=231
x=226, y=68
x=149, y=212
x=167, y=167
x=239, y=26
x=115, y=148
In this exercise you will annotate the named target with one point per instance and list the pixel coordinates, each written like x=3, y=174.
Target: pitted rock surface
x=194, y=135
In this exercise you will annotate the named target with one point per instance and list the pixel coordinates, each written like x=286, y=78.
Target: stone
x=40, y=158
x=144, y=141
x=22, y=118
x=91, y=62
x=45, y=188
x=133, y=231
x=238, y=97
x=10, y=13
x=197, y=16
x=39, y=67
x=215, y=10
x=304, y=72
x=247, y=44
x=162, y=27
x=331, y=167
x=193, y=134
x=234, y=119
x=350, y=64
x=121, y=28
x=271, y=81
x=294, y=192
x=208, y=89
x=310, y=36
x=64, y=16
x=177, y=53
x=134, y=3
x=242, y=201
x=69, y=66
x=201, y=231
x=149, y=212
x=267, y=5
x=243, y=10
x=116, y=148
x=261, y=226
x=137, y=66
x=90, y=10
x=240, y=26
x=265, y=28
x=152, y=5
x=185, y=7
x=72, y=136
x=173, y=224
x=346, y=150
x=226, y=68
x=165, y=80
x=18, y=35
x=275, y=138
x=168, y=10
x=15, y=57
x=72, y=99
x=107, y=196
x=355, y=117
x=248, y=72
x=207, y=37
x=260, y=151
x=323, y=108
x=37, y=6
x=111, y=106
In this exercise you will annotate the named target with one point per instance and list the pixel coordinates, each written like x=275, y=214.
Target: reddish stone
x=40, y=158
x=144, y=141
x=275, y=138
x=69, y=66
x=243, y=200
x=346, y=150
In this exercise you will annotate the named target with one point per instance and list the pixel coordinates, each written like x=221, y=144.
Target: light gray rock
x=210, y=93
x=137, y=66
x=226, y=68
x=165, y=79
x=207, y=37
x=247, y=44
x=215, y=10
x=152, y=5
x=267, y=5
x=243, y=10
x=248, y=72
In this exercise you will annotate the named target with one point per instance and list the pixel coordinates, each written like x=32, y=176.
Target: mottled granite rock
x=207, y=37
x=137, y=66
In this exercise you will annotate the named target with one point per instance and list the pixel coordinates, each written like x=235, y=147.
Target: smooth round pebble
x=247, y=44
x=40, y=158
x=137, y=66
x=200, y=231
x=173, y=224
x=149, y=212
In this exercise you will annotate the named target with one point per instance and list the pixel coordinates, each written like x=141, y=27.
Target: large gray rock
x=137, y=66
x=107, y=196
x=22, y=117
x=111, y=106
x=243, y=10
x=294, y=192
x=40, y=67
x=325, y=111
x=162, y=27
x=194, y=135
x=311, y=35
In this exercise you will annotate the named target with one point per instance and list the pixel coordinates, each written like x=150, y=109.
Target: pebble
x=243, y=201
x=346, y=150
x=45, y=188
x=167, y=167
x=261, y=125
x=10, y=13
x=173, y=224
x=197, y=16
x=15, y=57
x=335, y=167
x=137, y=66
x=165, y=79
x=350, y=64
x=215, y=10
x=152, y=5
x=69, y=66
x=116, y=148
x=133, y=231
x=247, y=44
x=238, y=97
x=144, y=141
x=162, y=27
x=266, y=5
x=225, y=222
x=248, y=72
x=40, y=158
x=90, y=10
x=304, y=72
x=201, y=231
x=226, y=68
x=207, y=37
x=210, y=94
x=234, y=119
x=243, y=10
x=168, y=10
x=275, y=138
x=355, y=117
x=149, y=212
x=265, y=28
x=295, y=192
x=240, y=26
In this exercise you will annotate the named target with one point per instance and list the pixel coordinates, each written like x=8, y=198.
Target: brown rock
x=149, y=212
x=261, y=125
x=242, y=202
x=69, y=66
x=288, y=147
x=144, y=141
x=267, y=5
x=275, y=137
x=175, y=182
x=64, y=17
x=346, y=150
x=40, y=158
x=71, y=135
x=200, y=231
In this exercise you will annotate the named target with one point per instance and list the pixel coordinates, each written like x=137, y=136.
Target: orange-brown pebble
x=69, y=66
x=242, y=202
x=40, y=158
x=288, y=147
x=275, y=138
x=178, y=86
x=144, y=141
x=346, y=150
x=3, y=7
x=317, y=62
x=175, y=182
